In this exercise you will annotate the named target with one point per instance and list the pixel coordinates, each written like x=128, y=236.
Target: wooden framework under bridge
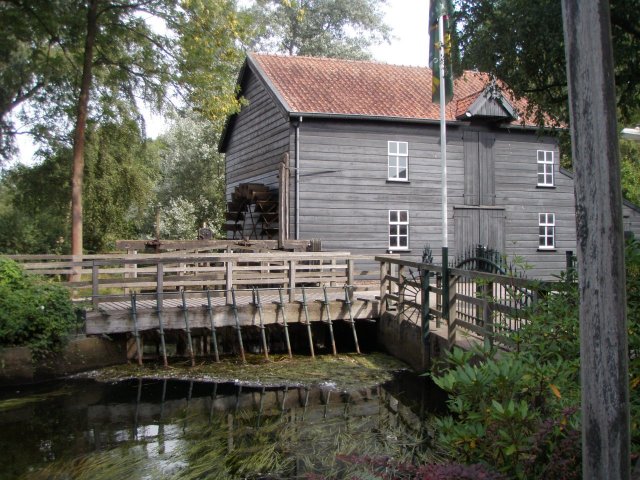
x=198, y=314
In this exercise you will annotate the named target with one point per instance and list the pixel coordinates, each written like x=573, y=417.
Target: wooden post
x=292, y=281
x=283, y=201
x=228, y=278
x=95, y=284
x=604, y=361
x=487, y=297
x=384, y=286
x=350, y=270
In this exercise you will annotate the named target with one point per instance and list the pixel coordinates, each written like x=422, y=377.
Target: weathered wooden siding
x=258, y=139
x=517, y=191
x=345, y=196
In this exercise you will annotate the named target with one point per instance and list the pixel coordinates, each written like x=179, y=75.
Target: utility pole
x=604, y=361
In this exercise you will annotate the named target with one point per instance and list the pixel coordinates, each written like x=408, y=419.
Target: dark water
x=149, y=429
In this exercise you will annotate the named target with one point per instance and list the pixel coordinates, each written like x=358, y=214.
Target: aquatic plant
x=340, y=372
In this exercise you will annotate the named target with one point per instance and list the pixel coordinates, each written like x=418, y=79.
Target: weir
x=196, y=299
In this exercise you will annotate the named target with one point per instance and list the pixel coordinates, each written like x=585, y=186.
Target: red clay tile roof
x=348, y=87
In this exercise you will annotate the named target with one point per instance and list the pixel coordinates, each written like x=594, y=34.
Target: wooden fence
x=464, y=302
x=113, y=277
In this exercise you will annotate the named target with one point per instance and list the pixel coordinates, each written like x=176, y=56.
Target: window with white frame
x=545, y=168
x=398, y=161
x=546, y=231
x=398, y=229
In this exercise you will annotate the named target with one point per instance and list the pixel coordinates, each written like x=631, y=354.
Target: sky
x=409, y=20
x=409, y=45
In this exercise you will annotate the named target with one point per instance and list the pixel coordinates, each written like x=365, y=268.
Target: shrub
x=519, y=411
x=33, y=312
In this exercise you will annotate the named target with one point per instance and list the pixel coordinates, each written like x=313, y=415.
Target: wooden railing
x=465, y=302
x=107, y=277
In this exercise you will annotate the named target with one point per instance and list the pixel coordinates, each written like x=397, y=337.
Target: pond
x=112, y=427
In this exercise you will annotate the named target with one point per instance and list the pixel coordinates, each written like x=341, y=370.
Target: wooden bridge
x=195, y=295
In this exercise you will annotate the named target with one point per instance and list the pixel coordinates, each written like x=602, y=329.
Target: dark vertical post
x=159, y=308
x=446, y=297
x=604, y=360
x=424, y=315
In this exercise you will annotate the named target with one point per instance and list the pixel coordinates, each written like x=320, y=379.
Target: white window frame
x=546, y=231
x=397, y=220
x=397, y=158
x=545, y=168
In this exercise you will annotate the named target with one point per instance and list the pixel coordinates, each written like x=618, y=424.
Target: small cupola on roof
x=490, y=106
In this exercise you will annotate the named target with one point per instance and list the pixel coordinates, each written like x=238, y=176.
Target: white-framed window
x=546, y=231
x=545, y=168
x=398, y=229
x=398, y=155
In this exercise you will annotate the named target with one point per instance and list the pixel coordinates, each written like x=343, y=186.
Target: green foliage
x=327, y=28
x=35, y=207
x=522, y=43
x=632, y=261
x=517, y=410
x=33, y=313
x=209, y=35
x=190, y=190
x=497, y=405
x=630, y=170
x=120, y=172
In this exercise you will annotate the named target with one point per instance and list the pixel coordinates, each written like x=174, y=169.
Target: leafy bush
x=518, y=411
x=33, y=312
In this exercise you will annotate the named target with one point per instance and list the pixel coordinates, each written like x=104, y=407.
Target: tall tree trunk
x=78, y=138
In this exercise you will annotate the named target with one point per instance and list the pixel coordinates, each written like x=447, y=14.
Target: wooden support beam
x=604, y=355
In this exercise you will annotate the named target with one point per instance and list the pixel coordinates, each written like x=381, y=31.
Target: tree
x=192, y=173
x=95, y=59
x=329, y=28
x=522, y=43
x=121, y=170
x=120, y=174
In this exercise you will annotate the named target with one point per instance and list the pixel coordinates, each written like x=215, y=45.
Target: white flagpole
x=443, y=137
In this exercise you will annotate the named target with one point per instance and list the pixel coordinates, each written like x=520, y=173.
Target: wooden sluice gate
x=198, y=316
x=205, y=304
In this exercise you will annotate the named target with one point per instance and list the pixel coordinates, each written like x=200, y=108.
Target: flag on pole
x=438, y=9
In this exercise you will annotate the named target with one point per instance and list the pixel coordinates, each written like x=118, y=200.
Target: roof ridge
x=335, y=59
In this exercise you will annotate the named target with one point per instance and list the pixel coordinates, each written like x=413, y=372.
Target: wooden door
x=478, y=226
x=479, y=168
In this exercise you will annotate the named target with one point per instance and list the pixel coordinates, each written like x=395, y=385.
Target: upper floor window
x=547, y=231
x=545, y=168
x=398, y=161
x=398, y=229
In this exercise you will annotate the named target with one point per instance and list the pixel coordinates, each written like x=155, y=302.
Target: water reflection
x=179, y=429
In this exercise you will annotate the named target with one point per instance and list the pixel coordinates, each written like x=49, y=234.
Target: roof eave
x=379, y=118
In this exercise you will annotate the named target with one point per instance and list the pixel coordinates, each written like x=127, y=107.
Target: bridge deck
x=116, y=317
